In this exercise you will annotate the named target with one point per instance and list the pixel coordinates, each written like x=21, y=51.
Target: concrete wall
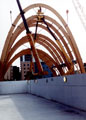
x=11, y=87
x=72, y=93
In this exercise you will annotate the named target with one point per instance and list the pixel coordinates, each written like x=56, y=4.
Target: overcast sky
x=60, y=5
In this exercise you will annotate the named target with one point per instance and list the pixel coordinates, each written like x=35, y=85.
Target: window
x=27, y=64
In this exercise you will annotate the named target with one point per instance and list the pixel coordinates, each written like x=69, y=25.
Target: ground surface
x=29, y=107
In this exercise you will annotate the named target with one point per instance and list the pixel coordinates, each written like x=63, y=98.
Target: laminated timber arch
x=59, y=47
x=44, y=56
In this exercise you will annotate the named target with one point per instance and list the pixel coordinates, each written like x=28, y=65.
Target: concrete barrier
x=11, y=87
x=72, y=92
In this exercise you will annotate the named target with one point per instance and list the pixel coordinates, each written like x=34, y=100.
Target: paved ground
x=29, y=107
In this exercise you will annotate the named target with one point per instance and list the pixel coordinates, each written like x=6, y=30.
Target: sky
x=61, y=6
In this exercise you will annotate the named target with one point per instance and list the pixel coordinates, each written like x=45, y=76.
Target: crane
x=80, y=11
x=29, y=36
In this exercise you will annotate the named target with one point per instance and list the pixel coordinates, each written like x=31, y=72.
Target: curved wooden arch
x=75, y=48
x=65, y=45
x=43, y=28
x=15, y=22
x=25, y=40
x=45, y=57
x=54, y=29
x=14, y=36
x=13, y=33
x=57, y=50
x=22, y=30
x=22, y=41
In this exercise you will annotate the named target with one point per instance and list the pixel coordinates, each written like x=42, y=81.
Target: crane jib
x=23, y=17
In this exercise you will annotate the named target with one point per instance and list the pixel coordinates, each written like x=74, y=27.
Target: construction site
x=53, y=87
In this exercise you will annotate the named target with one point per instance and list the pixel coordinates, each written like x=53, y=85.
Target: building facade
x=13, y=73
x=25, y=67
x=9, y=74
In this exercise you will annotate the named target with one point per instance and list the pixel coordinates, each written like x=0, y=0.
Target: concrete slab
x=29, y=107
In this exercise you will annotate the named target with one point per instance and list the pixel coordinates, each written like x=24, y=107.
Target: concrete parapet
x=72, y=92
x=11, y=87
